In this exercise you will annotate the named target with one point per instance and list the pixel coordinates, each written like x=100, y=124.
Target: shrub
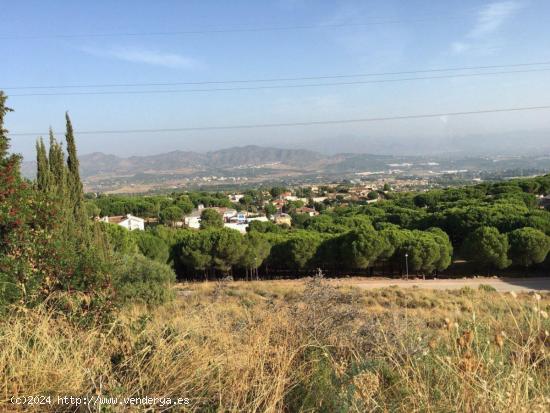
x=487, y=246
x=171, y=215
x=140, y=280
x=152, y=247
x=487, y=288
x=119, y=238
x=528, y=246
x=210, y=218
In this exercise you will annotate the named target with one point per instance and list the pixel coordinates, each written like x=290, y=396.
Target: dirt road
x=500, y=284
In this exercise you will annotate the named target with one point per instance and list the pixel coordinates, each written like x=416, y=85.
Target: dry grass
x=279, y=346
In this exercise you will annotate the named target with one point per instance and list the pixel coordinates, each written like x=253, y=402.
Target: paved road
x=500, y=284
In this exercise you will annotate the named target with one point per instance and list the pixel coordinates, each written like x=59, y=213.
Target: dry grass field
x=307, y=346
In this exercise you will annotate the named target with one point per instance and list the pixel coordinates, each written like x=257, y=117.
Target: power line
x=279, y=79
x=233, y=29
x=290, y=124
x=160, y=91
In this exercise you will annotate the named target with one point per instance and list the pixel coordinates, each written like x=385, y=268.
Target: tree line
x=491, y=225
x=51, y=253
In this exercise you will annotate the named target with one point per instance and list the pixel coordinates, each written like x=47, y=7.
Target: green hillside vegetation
x=494, y=225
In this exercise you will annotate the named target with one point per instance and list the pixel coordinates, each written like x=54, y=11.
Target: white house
x=319, y=199
x=309, y=211
x=129, y=222
x=241, y=227
x=193, y=220
x=262, y=218
x=227, y=214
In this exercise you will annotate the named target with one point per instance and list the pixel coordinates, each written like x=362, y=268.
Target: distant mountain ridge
x=99, y=163
x=106, y=172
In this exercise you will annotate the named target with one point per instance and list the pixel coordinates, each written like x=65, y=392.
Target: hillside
x=251, y=156
x=252, y=163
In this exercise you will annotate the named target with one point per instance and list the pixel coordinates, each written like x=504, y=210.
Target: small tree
x=196, y=252
x=423, y=251
x=92, y=210
x=487, y=247
x=256, y=252
x=43, y=174
x=270, y=209
x=228, y=249
x=58, y=170
x=171, y=215
x=210, y=218
x=445, y=248
x=185, y=205
x=301, y=249
x=361, y=247
x=74, y=184
x=120, y=240
x=528, y=246
x=372, y=195
x=151, y=246
x=140, y=280
x=277, y=191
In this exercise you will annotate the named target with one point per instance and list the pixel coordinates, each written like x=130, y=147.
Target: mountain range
x=187, y=162
x=252, y=163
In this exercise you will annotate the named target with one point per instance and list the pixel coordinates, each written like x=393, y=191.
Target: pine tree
x=43, y=174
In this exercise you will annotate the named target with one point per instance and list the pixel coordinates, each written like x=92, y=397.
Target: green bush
x=528, y=246
x=487, y=288
x=119, y=238
x=152, y=247
x=140, y=280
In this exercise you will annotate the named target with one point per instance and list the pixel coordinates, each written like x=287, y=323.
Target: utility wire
x=161, y=91
x=290, y=124
x=279, y=79
x=233, y=29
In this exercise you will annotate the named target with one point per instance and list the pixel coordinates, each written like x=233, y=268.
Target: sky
x=67, y=43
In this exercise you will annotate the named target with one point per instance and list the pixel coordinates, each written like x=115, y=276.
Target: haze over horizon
x=172, y=56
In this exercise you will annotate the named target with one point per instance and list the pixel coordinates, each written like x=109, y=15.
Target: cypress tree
x=43, y=181
x=76, y=192
x=58, y=170
x=42, y=247
x=4, y=140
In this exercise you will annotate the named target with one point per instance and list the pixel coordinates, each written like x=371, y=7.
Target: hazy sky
x=43, y=43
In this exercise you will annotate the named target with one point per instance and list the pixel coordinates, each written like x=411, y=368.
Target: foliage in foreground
x=51, y=253
x=285, y=347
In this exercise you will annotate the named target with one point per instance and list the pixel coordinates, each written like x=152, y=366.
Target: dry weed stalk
x=262, y=347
